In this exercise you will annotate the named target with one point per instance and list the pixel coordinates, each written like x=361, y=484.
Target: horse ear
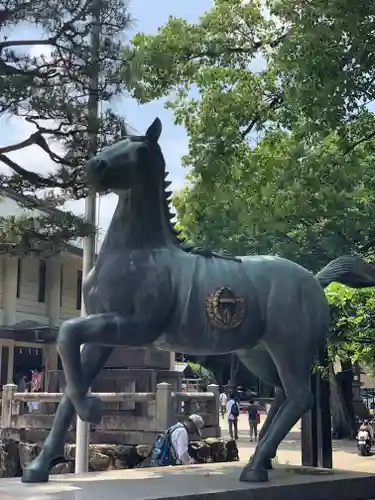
x=154, y=130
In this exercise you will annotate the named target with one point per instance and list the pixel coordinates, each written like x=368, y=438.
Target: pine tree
x=45, y=80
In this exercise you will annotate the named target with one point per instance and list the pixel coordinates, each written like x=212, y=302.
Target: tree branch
x=23, y=144
x=20, y=43
x=276, y=101
x=33, y=178
x=51, y=131
x=7, y=69
x=6, y=14
x=237, y=50
x=352, y=146
x=37, y=139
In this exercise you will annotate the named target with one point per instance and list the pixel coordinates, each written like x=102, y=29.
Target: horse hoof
x=267, y=463
x=93, y=412
x=257, y=475
x=35, y=474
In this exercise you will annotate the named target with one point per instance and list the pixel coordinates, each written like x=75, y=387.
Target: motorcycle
x=365, y=438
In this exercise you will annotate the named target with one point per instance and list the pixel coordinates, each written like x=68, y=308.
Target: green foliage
x=212, y=57
x=47, y=81
x=305, y=201
x=326, y=61
x=352, y=333
x=202, y=372
x=265, y=178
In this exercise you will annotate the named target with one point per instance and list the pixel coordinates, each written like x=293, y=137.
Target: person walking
x=233, y=411
x=254, y=419
x=223, y=400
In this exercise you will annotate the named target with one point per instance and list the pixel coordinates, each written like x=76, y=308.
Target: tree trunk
x=343, y=421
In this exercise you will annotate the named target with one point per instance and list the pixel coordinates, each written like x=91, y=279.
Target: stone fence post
x=215, y=408
x=164, y=407
x=7, y=405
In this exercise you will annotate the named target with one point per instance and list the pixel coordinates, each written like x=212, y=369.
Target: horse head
x=132, y=161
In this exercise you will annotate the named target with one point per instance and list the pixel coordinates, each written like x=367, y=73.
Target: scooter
x=365, y=438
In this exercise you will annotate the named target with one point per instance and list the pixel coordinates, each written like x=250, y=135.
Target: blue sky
x=148, y=15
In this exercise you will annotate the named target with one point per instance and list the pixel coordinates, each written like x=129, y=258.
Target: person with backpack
x=172, y=447
x=233, y=411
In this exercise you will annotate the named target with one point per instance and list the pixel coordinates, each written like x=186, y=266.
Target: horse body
x=194, y=281
x=264, y=284
x=146, y=289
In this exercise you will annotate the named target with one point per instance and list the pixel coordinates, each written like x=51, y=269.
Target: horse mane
x=204, y=252
x=169, y=216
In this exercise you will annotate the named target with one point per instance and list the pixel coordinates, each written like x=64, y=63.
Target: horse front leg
x=93, y=358
x=107, y=329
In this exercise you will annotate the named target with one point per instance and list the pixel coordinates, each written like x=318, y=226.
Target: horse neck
x=140, y=221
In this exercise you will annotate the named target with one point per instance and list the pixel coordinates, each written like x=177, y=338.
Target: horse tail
x=348, y=270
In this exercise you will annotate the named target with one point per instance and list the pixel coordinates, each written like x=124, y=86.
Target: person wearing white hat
x=180, y=436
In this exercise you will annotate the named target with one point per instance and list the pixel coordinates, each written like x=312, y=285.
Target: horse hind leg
x=274, y=410
x=294, y=377
x=259, y=362
x=93, y=358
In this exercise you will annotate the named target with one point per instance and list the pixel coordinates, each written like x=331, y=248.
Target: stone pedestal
x=124, y=423
x=209, y=481
x=142, y=368
x=135, y=370
x=140, y=357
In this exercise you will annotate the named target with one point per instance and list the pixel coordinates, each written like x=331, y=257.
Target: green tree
x=214, y=58
x=278, y=165
x=326, y=62
x=352, y=342
x=45, y=80
x=263, y=179
x=307, y=202
x=203, y=373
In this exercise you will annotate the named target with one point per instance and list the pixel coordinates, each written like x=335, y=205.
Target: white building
x=36, y=295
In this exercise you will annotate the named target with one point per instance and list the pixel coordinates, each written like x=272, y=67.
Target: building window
x=19, y=271
x=61, y=283
x=79, y=290
x=42, y=281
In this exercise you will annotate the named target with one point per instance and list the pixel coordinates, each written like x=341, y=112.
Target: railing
x=167, y=407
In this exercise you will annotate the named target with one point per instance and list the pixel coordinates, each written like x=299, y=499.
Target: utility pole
x=83, y=428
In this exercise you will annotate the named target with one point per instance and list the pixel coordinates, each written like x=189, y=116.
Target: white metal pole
x=82, y=428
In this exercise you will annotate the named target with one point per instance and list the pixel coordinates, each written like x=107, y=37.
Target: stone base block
x=202, y=482
x=139, y=357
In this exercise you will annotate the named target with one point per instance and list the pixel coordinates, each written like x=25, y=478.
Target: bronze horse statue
x=147, y=289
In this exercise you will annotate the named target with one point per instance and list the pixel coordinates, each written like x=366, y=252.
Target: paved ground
x=344, y=452
x=157, y=483
x=192, y=481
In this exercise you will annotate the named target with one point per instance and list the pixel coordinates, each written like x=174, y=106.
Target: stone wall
x=15, y=456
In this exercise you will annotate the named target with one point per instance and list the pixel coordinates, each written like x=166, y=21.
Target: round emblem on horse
x=225, y=309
